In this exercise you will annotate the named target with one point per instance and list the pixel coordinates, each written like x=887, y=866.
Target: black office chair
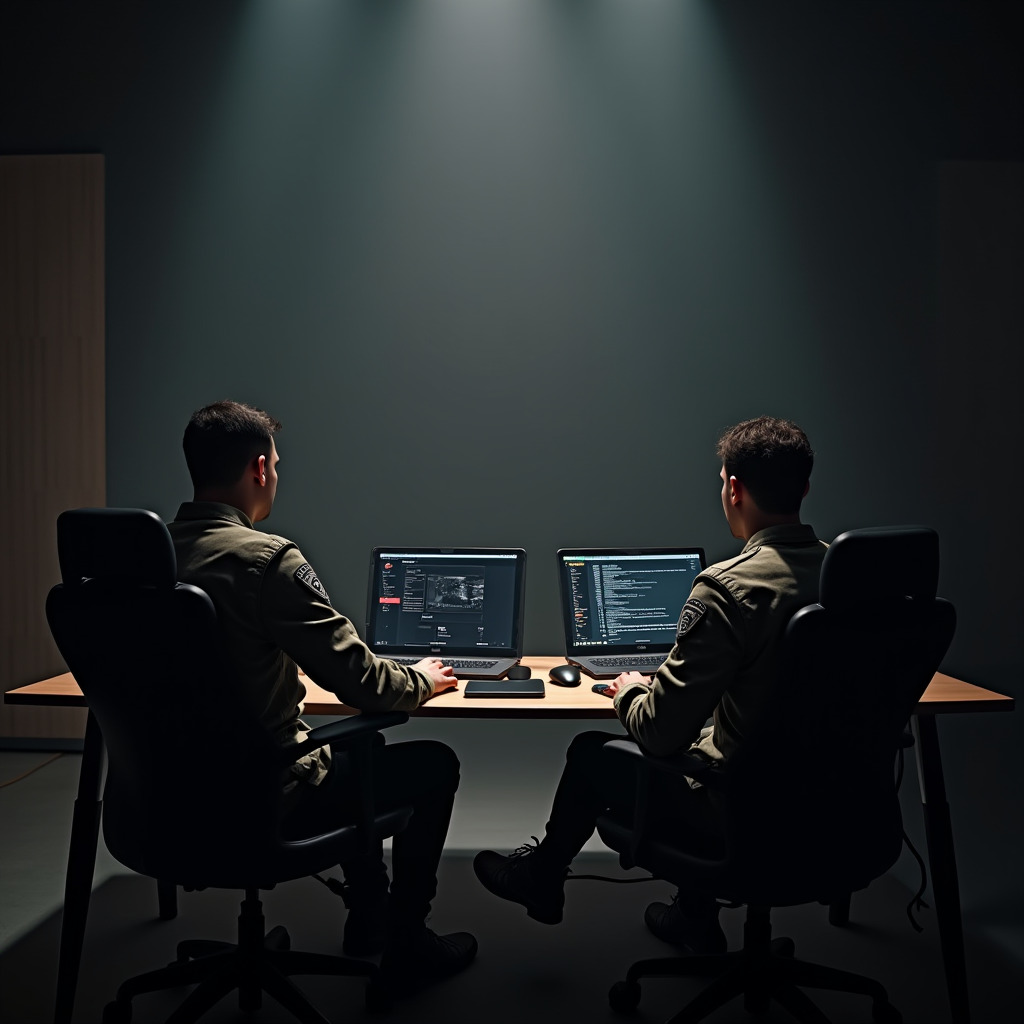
x=194, y=791
x=807, y=806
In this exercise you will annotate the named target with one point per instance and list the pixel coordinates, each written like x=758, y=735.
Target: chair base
x=258, y=963
x=763, y=970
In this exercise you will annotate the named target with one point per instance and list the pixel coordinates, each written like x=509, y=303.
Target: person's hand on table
x=442, y=676
x=624, y=679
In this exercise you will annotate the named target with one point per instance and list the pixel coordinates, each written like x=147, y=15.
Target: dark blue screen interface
x=626, y=600
x=460, y=601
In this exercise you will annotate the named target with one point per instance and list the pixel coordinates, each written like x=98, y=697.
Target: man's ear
x=807, y=487
x=737, y=492
x=259, y=465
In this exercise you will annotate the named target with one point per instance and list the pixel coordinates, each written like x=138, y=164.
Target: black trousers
x=423, y=774
x=589, y=786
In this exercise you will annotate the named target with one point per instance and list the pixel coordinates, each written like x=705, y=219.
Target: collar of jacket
x=780, y=536
x=189, y=510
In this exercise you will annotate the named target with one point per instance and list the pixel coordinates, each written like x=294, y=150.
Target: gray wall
x=490, y=262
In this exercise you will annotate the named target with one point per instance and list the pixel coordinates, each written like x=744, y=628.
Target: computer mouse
x=565, y=675
x=519, y=672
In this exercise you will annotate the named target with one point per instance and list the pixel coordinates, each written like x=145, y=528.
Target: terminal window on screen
x=449, y=602
x=628, y=599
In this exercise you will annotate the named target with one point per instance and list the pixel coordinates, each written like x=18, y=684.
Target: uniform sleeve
x=297, y=614
x=698, y=671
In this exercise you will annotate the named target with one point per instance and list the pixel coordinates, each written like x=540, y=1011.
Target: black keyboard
x=641, y=661
x=473, y=663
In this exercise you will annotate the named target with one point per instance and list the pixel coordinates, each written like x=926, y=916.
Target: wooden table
x=944, y=695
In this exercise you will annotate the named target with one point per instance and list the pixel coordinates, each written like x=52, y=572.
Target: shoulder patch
x=305, y=574
x=690, y=616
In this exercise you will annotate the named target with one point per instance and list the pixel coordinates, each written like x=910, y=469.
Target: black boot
x=522, y=878
x=415, y=956
x=693, y=925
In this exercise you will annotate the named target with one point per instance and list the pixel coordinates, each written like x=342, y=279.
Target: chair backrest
x=812, y=806
x=193, y=791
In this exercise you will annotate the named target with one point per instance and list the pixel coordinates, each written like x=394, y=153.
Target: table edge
x=986, y=701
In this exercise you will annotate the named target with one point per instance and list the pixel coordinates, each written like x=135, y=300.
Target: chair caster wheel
x=378, y=997
x=624, y=996
x=117, y=1013
x=885, y=1013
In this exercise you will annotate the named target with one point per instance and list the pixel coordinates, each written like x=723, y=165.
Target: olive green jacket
x=727, y=646
x=274, y=614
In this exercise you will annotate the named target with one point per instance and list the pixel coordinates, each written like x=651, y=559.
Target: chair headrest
x=115, y=544
x=880, y=565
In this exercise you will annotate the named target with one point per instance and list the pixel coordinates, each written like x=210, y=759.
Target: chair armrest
x=679, y=765
x=344, y=733
x=354, y=734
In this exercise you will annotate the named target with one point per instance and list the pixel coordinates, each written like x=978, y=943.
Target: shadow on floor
x=525, y=971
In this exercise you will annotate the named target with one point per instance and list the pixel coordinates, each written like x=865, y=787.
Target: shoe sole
x=535, y=911
x=401, y=984
x=543, y=915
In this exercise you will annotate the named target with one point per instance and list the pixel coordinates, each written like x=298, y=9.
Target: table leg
x=839, y=911
x=167, y=899
x=85, y=827
x=942, y=859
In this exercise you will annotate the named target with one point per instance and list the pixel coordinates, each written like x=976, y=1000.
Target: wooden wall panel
x=52, y=401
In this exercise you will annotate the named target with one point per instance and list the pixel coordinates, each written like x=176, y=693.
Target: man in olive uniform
x=722, y=665
x=274, y=616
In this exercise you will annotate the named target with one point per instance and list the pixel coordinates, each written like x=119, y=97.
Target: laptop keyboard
x=641, y=661
x=454, y=662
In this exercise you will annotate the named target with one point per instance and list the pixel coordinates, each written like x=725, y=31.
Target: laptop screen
x=455, y=600
x=624, y=600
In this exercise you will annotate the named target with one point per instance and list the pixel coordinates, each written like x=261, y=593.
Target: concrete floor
x=524, y=970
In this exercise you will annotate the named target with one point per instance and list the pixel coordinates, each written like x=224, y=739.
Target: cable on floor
x=605, y=878
x=25, y=775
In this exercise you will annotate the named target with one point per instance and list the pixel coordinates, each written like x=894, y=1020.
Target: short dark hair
x=221, y=439
x=772, y=459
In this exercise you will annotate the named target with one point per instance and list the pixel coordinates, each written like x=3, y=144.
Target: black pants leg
x=423, y=774
x=588, y=788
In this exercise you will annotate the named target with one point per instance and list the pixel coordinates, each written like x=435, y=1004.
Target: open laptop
x=462, y=605
x=620, y=606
